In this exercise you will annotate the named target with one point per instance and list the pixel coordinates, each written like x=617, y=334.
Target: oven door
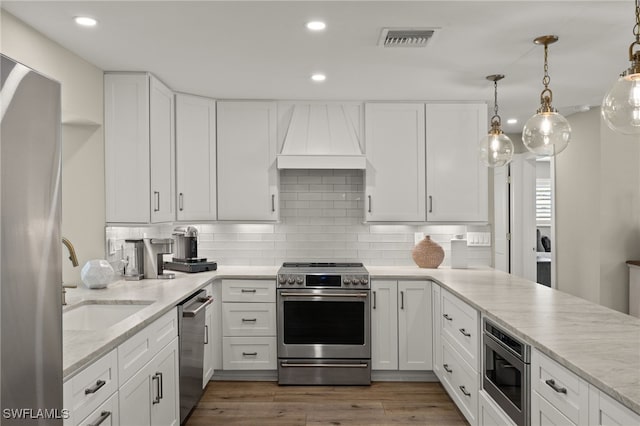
x=506, y=380
x=324, y=323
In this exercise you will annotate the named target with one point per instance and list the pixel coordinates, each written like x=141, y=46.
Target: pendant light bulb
x=496, y=149
x=547, y=133
x=621, y=105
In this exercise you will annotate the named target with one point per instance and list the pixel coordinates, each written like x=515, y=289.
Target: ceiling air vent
x=411, y=37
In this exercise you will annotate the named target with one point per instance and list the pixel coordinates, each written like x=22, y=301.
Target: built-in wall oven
x=506, y=372
x=324, y=324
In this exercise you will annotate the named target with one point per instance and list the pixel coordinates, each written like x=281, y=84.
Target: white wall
x=597, y=210
x=83, y=208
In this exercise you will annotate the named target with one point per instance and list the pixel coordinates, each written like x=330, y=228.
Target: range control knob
x=365, y=281
x=291, y=280
x=356, y=281
x=299, y=280
x=347, y=281
x=282, y=279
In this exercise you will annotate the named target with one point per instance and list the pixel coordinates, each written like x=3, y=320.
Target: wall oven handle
x=287, y=364
x=358, y=295
x=464, y=391
x=552, y=384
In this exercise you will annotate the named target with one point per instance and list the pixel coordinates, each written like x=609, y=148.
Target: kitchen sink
x=100, y=314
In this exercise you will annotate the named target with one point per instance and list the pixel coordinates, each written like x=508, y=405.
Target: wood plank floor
x=382, y=403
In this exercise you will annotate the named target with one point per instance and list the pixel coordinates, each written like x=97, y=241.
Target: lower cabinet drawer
x=545, y=414
x=105, y=415
x=460, y=381
x=249, y=353
x=248, y=319
x=87, y=390
x=489, y=413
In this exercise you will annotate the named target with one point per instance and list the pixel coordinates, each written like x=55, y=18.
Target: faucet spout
x=72, y=251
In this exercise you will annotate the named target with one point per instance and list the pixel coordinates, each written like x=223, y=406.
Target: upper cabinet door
x=395, y=149
x=247, y=174
x=126, y=121
x=457, y=181
x=162, y=154
x=196, y=157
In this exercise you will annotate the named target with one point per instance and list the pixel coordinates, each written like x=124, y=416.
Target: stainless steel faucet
x=74, y=261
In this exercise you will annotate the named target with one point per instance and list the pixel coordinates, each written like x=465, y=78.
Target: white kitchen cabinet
x=457, y=182
x=460, y=325
x=139, y=149
x=395, y=150
x=384, y=325
x=209, y=342
x=401, y=325
x=489, y=413
x=605, y=411
x=461, y=382
x=151, y=396
x=246, y=163
x=437, y=327
x=195, y=158
x=107, y=414
x=414, y=326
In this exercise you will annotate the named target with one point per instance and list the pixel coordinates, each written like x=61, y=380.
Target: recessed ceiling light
x=318, y=77
x=85, y=21
x=512, y=121
x=316, y=25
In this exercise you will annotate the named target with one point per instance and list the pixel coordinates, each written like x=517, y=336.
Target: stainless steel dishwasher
x=191, y=329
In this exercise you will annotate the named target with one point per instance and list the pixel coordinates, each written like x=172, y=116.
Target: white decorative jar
x=97, y=273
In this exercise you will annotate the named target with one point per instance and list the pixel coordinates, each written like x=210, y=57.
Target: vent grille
x=413, y=37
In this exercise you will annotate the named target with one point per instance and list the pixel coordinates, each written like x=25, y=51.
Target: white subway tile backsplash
x=321, y=219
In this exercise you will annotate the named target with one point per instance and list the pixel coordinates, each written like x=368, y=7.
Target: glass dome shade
x=621, y=105
x=496, y=149
x=546, y=134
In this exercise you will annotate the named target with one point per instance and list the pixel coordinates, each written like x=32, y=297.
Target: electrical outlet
x=417, y=237
x=111, y=246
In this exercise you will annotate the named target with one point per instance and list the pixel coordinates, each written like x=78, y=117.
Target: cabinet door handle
x=156, y=196
x=95, y=388
x=555, y=387
x=464, y=332
x=206, y=334
x=402, y=300
x=103, y=416
x=181, y=201
x=430, y=204
x=369, y=197
x=464, y=391
x=161, y=385
x=273, y=202
x=250, y=290
x=249, y=319
x=249, y=353
x=155, y=378
x=374, y=300
x=446, y=368
x=447, y=317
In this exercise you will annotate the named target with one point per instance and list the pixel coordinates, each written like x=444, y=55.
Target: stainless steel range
x=324, y=324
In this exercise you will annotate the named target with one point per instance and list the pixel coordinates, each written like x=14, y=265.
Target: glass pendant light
x=621, y=106
x=496, y=149
x=547, y=133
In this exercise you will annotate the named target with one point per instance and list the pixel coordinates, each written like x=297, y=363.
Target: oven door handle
x=287, y=364
x=358, y=295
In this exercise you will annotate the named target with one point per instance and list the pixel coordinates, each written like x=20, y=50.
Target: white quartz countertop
x=598, y=344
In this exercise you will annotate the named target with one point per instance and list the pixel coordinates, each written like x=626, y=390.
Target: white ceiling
x=261, y=50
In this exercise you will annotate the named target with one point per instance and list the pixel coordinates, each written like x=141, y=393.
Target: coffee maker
x=185, y=254
x=154, y=251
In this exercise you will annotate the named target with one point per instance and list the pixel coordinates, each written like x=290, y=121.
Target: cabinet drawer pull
x=249, y=353
x=464, y=332
x=552, y=384
x=464, y=391
x=249, y=319
x=155, y=378
x=103, y=416
x=95, y=388
x=206, y=334
x=161, y=385
x=446, y=368
x=248, y=290
x=374, y=300
x=447, y=317
x=181, y=201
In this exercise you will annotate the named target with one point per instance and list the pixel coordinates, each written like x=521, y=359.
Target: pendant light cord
x=636, y=28
x=546, y=79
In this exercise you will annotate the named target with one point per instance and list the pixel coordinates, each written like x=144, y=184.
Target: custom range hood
x=321, y=136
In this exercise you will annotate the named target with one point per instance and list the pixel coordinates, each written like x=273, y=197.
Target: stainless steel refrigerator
x=31, y=249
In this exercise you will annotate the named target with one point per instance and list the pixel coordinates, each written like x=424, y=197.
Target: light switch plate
x=478, y=239
x=417, y=237
x=111, y=246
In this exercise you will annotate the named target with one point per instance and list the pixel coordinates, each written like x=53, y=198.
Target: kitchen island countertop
x=598, y=344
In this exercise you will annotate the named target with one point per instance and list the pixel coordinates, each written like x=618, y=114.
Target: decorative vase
x=97, y=273
x=427, y=253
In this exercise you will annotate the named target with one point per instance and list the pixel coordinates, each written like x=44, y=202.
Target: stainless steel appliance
x=31, y=250
x=506, y=372
x=134, y=260
x=192, y=332
x=185, y=254
x=154, y=251
x=324, y=324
